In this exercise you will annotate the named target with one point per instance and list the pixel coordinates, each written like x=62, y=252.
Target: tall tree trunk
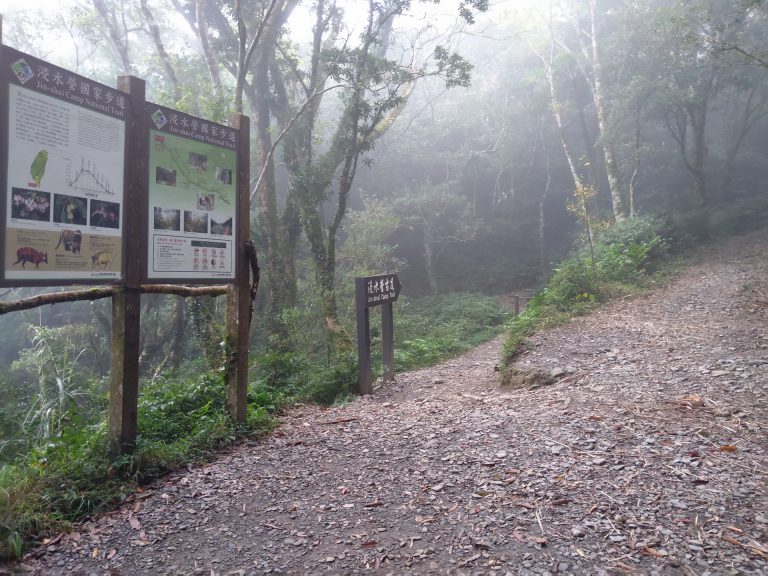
x=204, y=37
x=278, y=265
x=162, y=53
x=754, y=109
x=636, y=170
x=118, y=39
x=430, y=259
x=611, y=164
x=543, y=268
x=556, y=106
x=697, y=114
x=589, y=140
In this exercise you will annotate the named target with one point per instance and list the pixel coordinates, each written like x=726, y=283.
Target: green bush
x=571, y=283
x=182, y=419
x=624, y=255
x=431, y=329
x=741, y=216
x=333, y=383
x=427, y=330
x=285, y=378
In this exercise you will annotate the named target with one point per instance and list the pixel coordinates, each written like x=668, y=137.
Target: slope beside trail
x=647, y=456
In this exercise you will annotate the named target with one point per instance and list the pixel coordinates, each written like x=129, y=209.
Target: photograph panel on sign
x=70, y=209
x=198, y=161
x=196, y=222
x=165, y=176
x=30, y=205
x=69, y=241
x=206, y=201
x=167, y=219
x=105, y=214
x=224, y=175
x=221, y=228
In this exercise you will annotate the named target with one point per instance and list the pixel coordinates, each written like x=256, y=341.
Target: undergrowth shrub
x=427, y=330
x=694, y=227
x=433, y=328
x=289, y=377
x=333, y=383
x=182, y=419
x=624, y=256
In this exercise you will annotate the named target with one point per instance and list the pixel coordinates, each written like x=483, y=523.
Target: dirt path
x=647, y=457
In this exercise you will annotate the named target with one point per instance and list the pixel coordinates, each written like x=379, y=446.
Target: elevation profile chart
x=87, y=177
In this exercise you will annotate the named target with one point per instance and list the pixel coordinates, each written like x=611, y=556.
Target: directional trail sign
x=381, y=289
x=371, y=291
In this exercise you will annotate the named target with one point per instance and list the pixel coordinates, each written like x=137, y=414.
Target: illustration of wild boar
x=101, y=260
x=28, y=254
x=71, y=240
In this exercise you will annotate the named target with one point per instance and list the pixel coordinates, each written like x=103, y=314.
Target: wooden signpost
x=371, y=291
x=100, y=186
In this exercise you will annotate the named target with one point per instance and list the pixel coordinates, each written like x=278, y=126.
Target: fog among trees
x=468, y=146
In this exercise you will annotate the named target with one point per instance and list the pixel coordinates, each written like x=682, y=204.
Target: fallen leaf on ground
x=135, y=524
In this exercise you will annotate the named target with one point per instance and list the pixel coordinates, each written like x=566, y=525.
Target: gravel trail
x=646, y=456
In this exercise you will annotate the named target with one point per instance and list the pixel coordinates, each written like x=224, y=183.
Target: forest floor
x=647, y=456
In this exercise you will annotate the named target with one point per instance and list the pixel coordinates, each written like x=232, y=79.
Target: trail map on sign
x=192, y=201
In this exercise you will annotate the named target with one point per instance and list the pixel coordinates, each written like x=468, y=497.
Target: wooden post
x=126, y=304
x=364, y=385
x=238, y=294
x=388, y=341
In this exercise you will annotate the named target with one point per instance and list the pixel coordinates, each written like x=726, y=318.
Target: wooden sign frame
x=372, y=291
x=127, y=286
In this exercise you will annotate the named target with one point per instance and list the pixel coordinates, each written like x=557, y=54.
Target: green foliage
x=696, y=226
x=333, y=383
x=290, y=377
x=455, y=69
x=60, y=388
x=624, y=256
x=427, y=331
x=621, y=254
x=520, y=327
x=431, y=329
x=182, y=419
x=367, y=249
x=208, y=330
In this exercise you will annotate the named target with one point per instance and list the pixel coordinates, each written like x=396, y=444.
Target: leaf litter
x=649, y=458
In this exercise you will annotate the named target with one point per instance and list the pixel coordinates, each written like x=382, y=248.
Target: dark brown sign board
x=371, y=291
x=63, y=154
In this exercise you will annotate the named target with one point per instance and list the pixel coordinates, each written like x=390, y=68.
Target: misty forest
x=573, y=195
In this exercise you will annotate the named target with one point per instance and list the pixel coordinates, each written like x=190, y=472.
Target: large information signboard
x=64, y=136
x=192, y=198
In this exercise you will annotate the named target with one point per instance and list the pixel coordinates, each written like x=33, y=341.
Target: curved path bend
x=647, y=456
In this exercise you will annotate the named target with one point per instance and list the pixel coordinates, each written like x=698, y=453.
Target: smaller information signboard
x=192, y=197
